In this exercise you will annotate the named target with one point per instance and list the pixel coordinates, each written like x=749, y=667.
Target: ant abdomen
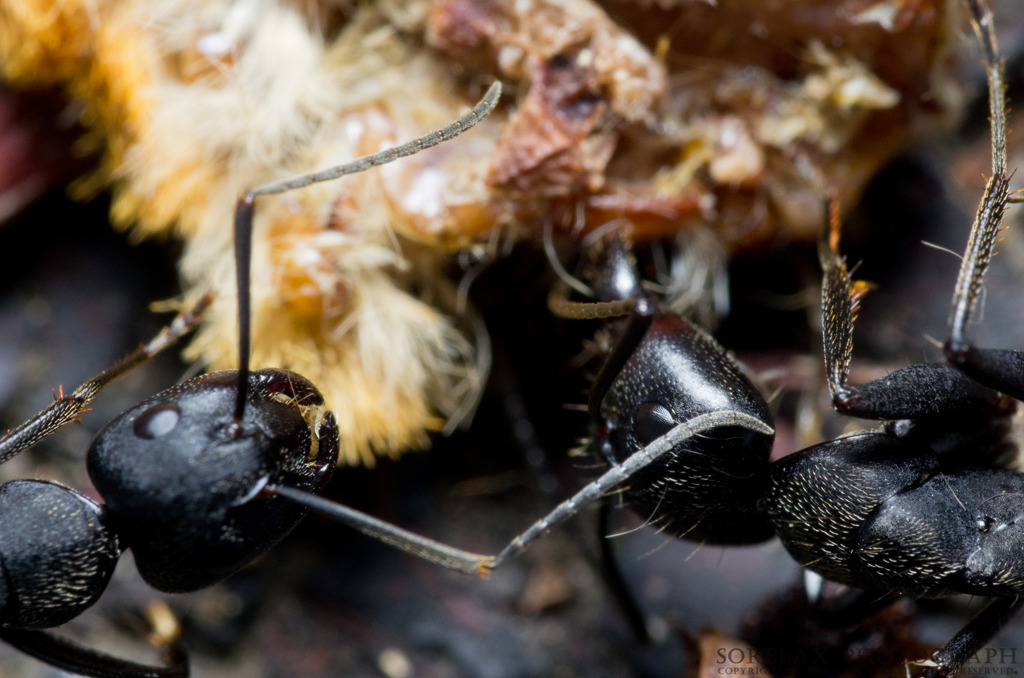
x=56, y=554
x=183, y=479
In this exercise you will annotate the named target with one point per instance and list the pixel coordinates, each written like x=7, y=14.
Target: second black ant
x=915, y=508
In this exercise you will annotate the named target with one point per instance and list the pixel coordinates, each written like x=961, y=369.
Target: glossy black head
x=182, y=479
x=708, y=489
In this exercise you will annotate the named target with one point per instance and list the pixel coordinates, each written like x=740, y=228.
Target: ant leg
x=616, y=583
x=67, y=408
x=482, y=565
x=985, y=625
x=1002, y=370
x=73, y=658
x=914, y=392
x=856, y=607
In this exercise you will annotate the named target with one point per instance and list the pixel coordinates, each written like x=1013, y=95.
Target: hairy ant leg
x=1002, y=370
x=80, y=548
x=67, y=408
x=958, y=385
x=482, y=565
x=913, y=392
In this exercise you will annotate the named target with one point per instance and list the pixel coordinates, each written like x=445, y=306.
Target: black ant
x=916, y=508
x=197, y=481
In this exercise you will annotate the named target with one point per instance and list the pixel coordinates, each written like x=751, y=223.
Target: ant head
x=195, y=515
x=707, y=488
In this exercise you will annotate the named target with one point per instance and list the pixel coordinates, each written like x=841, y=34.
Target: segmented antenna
x=245, y=208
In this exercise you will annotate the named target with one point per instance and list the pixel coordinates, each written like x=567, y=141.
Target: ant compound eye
x=652, y=422
x=157, y=421
x=984, y=523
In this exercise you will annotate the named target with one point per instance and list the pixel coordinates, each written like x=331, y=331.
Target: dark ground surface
x=326, y=602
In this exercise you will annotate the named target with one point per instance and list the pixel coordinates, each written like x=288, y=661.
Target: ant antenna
x=245, y=208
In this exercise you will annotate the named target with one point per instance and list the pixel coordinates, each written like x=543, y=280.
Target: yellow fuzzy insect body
x=170, y=92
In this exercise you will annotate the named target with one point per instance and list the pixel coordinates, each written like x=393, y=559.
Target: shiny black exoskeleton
x=665, y=369
x=877, y=511
x=182, y=481
x=918, y=508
